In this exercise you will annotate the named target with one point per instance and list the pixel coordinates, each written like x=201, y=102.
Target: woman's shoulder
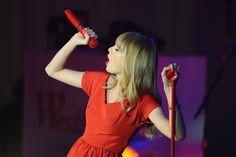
x=148, y=98
x=146, y=105
x=93, y=80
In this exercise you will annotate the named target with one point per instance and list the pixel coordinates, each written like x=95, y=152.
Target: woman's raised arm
x=55, y=68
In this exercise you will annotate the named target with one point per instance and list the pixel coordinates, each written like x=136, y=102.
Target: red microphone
x=93, y=43
x=170, y=74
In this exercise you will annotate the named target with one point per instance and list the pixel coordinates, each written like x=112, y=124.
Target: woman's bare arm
x=55, y=68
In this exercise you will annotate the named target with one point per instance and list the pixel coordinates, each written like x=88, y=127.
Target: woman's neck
x=114, y=93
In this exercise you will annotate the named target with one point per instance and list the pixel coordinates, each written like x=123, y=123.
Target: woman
x=121, y=99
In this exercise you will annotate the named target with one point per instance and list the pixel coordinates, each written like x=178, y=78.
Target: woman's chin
x=107, y=69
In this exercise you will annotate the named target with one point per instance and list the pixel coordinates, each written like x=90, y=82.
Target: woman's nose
x=109, y=50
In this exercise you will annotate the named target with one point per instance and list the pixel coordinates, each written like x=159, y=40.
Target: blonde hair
x=139, y=76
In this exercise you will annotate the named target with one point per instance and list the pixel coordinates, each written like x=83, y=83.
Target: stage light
x=130, y=152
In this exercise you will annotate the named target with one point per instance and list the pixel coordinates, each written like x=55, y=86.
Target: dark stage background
x=196, y=27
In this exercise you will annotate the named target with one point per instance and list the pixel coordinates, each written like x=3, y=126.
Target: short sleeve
x=86, y=83
x=91, y=79
x=148, y=105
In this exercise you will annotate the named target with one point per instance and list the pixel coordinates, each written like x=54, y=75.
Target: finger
x=78, y=36
x=86, y=40
x=85, y=37
x=86, y=29
x=94, y=35
x=176, y=77
x=174, y=67
x=164, y=70
x=91, y=33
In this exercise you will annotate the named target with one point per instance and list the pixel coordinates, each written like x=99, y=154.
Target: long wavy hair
x=140, y=73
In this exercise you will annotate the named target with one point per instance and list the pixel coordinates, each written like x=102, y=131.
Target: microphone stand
x=172, y=117
x=170, y=74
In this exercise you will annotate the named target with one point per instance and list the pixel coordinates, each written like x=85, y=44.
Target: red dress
x=108, y=129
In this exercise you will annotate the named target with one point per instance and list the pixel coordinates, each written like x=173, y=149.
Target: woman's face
x=116, y=58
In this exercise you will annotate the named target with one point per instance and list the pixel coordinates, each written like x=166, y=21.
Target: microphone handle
x=93, y=43
x=170, y=74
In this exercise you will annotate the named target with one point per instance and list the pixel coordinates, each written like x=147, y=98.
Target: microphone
x=93, y=42
x=170, y=74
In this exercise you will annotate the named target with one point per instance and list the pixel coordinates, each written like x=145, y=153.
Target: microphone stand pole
x=172, y=117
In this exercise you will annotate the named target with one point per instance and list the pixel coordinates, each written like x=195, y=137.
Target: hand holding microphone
x=169, y=76
x=170, y=72
x=93, y=43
